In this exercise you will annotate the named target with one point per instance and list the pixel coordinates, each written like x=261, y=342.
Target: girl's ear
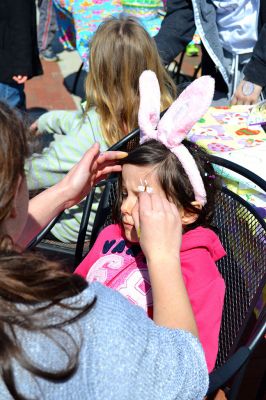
x=149, y=106
x=188, y=217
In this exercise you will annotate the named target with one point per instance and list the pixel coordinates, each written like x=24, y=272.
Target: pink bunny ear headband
x=176, y=123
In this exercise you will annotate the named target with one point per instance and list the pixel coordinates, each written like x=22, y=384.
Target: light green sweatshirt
x=73, y=135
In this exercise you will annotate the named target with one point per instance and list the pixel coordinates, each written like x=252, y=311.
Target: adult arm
x=255, y=73
x=69, y=191
x=177, y=30
x=48, y=168
x=160, y=236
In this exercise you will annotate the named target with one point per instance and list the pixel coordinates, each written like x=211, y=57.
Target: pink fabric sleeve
x=206, y=290
x=108, y=233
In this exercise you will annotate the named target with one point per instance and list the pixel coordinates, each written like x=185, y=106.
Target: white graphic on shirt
x=99, y=270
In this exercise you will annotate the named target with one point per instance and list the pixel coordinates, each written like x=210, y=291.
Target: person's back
x=111, y=108
x=229, y=31
x=19, y=58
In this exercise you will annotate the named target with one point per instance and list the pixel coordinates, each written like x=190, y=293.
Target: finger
x=233, y=101
x=167, y=205
x=23, y=79
x=157, y=202
x=177, y=215
x=135, y=216
x=107, y=170
x=145, y=203
x=99, y=166
x=111, y=156
x=91, y=154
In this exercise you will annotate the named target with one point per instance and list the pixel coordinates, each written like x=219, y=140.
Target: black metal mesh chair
x=243, y=234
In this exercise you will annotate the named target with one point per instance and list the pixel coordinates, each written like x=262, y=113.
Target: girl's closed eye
x=124, y=193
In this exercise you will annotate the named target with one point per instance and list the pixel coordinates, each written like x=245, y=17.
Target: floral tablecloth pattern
x=224, y=131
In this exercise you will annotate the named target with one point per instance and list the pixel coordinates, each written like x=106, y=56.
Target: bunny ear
x=149, y=107
x=190, y=106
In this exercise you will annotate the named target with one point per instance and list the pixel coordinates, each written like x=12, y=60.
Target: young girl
x=120, y=51
x=182, y=173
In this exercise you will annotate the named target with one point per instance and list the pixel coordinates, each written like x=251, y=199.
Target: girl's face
x=134, y=176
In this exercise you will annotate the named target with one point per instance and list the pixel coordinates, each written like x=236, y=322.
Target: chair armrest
x=221, y=375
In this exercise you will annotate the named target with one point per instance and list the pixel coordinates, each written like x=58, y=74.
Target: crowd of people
x=78, y=336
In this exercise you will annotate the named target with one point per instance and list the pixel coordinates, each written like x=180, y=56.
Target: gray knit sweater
x=124, y=356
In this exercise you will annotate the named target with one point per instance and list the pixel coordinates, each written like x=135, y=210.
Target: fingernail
x=122, y=154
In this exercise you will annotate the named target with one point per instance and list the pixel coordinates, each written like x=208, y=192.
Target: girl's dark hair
x=174, y=180
x=32, y=289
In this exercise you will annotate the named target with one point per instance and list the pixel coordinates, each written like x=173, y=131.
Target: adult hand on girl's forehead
x=93, y=167
x=159, y=225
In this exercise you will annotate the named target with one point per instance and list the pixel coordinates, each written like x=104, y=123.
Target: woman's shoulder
x=120, y=337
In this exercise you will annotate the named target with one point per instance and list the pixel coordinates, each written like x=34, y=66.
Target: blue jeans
x=13, y=94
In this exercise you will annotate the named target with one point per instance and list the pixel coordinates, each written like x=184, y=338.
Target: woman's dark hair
x=174, y=180
x=32, y=289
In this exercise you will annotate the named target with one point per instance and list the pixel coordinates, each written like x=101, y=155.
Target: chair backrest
x=242, y=232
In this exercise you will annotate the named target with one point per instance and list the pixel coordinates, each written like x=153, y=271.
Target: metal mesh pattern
x=111, y=200
x=243, y=269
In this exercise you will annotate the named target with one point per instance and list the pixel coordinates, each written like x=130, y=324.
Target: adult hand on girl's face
x=159, y=224
x=87, y=172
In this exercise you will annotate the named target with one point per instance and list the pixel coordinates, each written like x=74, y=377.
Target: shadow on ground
x=75, y=84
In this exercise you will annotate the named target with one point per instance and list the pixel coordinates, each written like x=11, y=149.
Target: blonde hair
x=120, y=51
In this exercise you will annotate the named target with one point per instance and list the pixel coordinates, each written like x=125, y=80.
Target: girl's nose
x=127, y=206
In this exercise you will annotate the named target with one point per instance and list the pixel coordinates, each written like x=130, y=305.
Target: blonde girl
x=120, y=51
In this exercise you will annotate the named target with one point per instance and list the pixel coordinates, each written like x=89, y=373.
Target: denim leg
x=13, y=94
x=47, y=25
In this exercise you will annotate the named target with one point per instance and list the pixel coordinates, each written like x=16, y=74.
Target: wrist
x=58, y=196
x=165, y=261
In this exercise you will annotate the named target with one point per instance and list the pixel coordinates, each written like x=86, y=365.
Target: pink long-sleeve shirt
x=121, y=265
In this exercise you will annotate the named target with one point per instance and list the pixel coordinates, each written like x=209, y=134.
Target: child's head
x=166, y=162
x=155, y=166
x=120, y=51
